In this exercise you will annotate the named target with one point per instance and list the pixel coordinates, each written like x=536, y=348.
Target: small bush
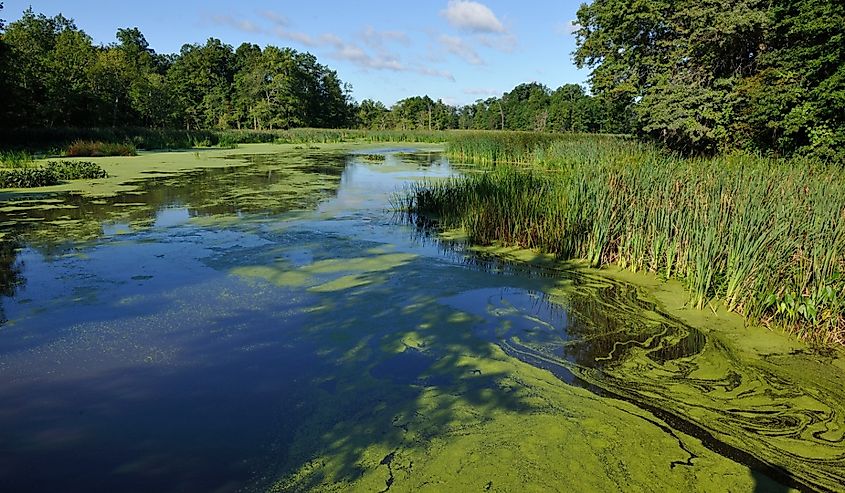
x=77, y=170
x=84, y=148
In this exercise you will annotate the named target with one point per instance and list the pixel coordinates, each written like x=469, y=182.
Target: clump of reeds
x=766, y=236
x=87, y=148
x=373, y=158
x=16, y=159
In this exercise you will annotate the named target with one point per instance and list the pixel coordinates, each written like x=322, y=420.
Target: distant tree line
x=708, y=75
x=52, y=75
x=530, y=106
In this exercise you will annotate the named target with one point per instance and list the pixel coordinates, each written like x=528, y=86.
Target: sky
x=455, y=50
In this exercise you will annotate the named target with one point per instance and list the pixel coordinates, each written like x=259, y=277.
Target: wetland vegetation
x=764, y=236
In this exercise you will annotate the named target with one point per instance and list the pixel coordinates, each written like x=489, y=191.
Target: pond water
x=272, y=325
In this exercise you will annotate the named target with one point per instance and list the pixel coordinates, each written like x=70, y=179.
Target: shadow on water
x=324, y=372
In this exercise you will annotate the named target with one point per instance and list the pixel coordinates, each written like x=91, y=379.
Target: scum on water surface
x=268, y=325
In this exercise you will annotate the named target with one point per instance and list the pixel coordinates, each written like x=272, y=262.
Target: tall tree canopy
x=51, y=74
x=707, y=75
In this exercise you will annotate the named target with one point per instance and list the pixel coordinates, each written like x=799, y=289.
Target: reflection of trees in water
x=11, y=268
x=219, y=191
x=606, y=323
x=605, y=320
x=421, y=158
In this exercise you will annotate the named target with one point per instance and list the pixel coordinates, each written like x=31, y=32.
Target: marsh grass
x=57, y=140
x=16, y=159
x=83, y=148
x=373, y=158
x=765, y=236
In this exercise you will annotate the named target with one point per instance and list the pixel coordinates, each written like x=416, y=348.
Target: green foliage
x=76, y=170
x=715, y=75
x=533, y=107
x=27, y=177
x=58, y=139
x=766, y=236
x=54, y=76
x=50, y=174
x=83, y=148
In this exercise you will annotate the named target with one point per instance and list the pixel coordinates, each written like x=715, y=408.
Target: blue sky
x=455, y=50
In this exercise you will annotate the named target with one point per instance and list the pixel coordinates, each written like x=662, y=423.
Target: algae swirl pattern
x=783, y=412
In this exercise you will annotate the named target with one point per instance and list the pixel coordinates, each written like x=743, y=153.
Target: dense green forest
x=719, y=74
x=530, y=106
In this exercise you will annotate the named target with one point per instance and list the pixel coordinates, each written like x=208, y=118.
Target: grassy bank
x=765, y=236
x=91, y=141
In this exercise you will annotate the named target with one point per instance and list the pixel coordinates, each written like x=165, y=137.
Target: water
x=275, y=326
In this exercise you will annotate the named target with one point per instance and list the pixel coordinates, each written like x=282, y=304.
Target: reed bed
x=87, y=148
x=56, y=140
x=765, y=236
x=496, y=147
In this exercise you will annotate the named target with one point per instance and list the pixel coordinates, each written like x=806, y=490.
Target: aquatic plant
x=76, y=170
x=50, y=174
x=82, y=148
x=373, y=158
x=27, y=177
x=765, y=236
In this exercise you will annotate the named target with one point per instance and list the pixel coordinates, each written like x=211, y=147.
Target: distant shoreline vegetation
x=61, y=87
x=769, y=78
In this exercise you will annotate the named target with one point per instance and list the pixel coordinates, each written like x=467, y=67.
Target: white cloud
x=377, y=58
x=239, y=24
x=274, y=18
x=458, y=47
x=472, y=16
x=506, y=42
x=299, y=37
